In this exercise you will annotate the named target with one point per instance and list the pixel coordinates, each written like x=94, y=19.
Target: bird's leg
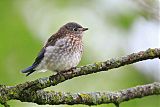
x=58, y=73
x=61, y=73
x=65, y=72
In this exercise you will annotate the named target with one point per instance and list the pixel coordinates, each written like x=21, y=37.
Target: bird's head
x=73, y=28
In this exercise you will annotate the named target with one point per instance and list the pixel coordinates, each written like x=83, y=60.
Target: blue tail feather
x=29, y=70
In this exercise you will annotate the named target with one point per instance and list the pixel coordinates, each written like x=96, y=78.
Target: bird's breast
x=64, y=55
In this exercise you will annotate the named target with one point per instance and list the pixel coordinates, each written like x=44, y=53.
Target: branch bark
x=91, y=68
x=32, y=91
x=95, y=98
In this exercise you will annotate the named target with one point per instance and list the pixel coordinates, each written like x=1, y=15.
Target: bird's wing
x=53, y=39
x=39, y=58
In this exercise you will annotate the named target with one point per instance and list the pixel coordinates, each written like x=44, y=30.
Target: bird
x=62, y=51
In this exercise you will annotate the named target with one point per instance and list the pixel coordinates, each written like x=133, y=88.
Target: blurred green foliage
x=124, y=20
x=19, y=46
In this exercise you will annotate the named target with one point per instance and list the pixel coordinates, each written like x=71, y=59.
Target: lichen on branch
x=93, y=98
x=42, y=83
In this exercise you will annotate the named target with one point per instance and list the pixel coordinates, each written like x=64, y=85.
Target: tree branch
x=95, y=98
x=91, y=68
x=32, y=91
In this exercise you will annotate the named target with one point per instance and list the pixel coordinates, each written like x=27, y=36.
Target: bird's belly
x=60, y=60
x=63, y=62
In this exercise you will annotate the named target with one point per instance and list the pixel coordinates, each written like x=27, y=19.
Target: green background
x=19, y=46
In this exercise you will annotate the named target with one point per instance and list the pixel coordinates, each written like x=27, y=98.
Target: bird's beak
x=84, y=29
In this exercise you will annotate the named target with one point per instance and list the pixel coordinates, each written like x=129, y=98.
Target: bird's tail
x=29, y=70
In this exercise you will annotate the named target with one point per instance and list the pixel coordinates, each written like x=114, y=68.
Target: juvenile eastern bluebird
x=62, y=51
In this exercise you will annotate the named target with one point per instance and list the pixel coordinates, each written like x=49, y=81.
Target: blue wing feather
x=39, y=58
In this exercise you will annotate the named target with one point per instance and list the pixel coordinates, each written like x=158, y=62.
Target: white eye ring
x=74, y=29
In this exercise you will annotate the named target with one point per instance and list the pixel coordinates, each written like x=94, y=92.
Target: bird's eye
x=74, y=29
